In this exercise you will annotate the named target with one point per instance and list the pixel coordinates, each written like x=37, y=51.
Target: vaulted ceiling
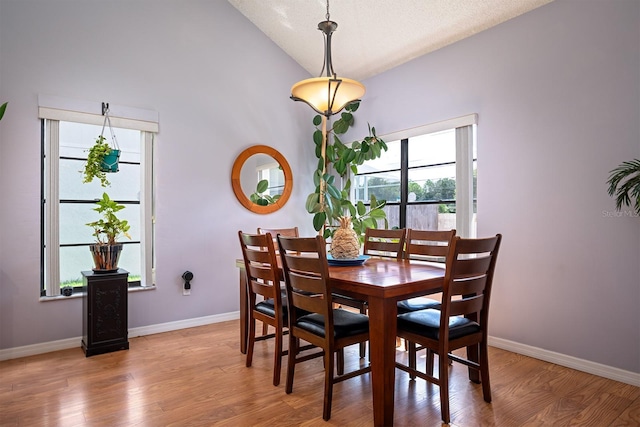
x=375, y=35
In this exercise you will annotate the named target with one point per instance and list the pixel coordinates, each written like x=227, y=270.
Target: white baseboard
x=32, y=350
x=587, y=366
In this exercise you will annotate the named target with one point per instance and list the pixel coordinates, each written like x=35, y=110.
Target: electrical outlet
x=186, y=292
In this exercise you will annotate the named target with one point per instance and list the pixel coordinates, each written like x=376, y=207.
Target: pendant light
x=327, y=95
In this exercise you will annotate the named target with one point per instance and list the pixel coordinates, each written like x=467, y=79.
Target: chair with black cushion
x=379, y=243
x=292, y=231
x=425, y=245
x=306, y=275
x=263, y=278
x=461, y=320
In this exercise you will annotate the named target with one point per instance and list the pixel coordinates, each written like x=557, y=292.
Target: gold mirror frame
x=237, y=188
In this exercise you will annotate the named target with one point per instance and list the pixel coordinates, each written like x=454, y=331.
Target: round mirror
x=261, y=179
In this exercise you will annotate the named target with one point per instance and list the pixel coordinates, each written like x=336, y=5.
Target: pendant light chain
x=328, y=16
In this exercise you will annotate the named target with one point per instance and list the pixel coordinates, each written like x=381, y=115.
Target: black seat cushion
x=345, y=323
x=427, y=323
x=267, y=307
x=415, y=304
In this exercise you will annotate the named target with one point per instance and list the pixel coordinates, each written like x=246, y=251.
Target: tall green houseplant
x=336, y=161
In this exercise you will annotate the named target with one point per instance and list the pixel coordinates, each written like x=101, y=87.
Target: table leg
x=244, y=313
x=382, y=335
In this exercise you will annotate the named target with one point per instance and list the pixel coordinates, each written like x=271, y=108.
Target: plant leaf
x=318, y=220
x=262, y=186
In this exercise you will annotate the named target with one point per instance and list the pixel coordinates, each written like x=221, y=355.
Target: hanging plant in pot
x=103, y=157
x=106, y=251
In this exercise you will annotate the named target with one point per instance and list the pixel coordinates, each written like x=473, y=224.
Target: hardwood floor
x=197, y=377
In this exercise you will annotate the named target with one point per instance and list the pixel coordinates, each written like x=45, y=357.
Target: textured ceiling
x=374, y=35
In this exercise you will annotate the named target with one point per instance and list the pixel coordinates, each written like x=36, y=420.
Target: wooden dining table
x=382, y=282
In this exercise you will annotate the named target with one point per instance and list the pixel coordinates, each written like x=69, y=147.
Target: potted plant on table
x=106, y=251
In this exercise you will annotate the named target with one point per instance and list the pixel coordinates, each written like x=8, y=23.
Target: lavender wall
x=219, y=86
x=557, y=92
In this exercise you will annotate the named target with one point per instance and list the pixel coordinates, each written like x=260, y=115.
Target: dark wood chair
x=380, y=243
x=306, y=274
x=425, y=245
x=461, y=320
x=292, y=231
x=263, y=278
x=384, y=243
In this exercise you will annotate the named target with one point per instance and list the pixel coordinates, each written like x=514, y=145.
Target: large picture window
x=67, y=202
x=427, y=177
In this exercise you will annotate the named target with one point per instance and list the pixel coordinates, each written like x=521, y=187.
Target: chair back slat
x=466, y=306
x=471, y=267
x=307, y=264
x=428, y=245
x=267, y=290
x=384, y=243
x=261, y=257
x=471, y=286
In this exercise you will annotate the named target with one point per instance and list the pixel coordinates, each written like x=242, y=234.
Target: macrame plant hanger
x=110, y=161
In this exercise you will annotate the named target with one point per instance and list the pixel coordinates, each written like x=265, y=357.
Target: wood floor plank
x=197, y=377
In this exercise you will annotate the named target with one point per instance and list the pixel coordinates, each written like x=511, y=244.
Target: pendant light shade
x=327, y=95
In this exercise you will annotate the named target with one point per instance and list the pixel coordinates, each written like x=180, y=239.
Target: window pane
x=125, y=185
x=384, y=186
x=432, y=183
x=130, y=260
x=389, y=160
x=73, y=261
x=74, y=216
x=432, y=149
x=393, y=216
x=430, y=217
x=77, y=138
x=76, y=259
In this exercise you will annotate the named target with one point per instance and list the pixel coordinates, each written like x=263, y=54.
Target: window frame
x=465, y=139
x=51, y=112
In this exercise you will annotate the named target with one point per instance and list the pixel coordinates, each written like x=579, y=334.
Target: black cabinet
x=104, y=310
